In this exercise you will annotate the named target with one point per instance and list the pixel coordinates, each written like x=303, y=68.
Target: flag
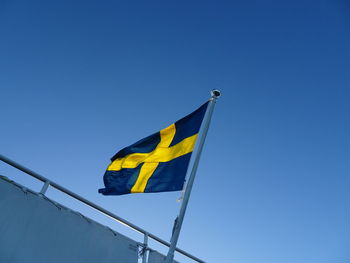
x=157, y=163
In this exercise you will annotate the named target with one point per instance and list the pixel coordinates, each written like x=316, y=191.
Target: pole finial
x=215, y=93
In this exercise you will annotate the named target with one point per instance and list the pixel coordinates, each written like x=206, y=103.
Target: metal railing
x=48, y=183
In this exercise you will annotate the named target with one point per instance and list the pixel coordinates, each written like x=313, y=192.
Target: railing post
x=145, y=247
x=44, y=188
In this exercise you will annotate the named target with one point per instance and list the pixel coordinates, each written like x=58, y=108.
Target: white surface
x=36, y=229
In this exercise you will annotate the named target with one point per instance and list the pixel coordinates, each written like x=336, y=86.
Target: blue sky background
x=80, y=80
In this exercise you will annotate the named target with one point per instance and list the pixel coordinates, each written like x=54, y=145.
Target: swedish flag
x=157, y=163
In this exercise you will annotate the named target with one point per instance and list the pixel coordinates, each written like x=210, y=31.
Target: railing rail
x=48, y=183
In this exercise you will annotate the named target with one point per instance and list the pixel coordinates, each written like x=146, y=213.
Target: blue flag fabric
x=157, y=163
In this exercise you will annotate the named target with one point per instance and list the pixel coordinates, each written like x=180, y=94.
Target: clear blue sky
x=80, y=80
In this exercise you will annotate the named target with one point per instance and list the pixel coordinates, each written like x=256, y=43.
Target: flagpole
x=178, y=222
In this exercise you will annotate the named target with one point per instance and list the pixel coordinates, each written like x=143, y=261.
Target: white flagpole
x=178, y=222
